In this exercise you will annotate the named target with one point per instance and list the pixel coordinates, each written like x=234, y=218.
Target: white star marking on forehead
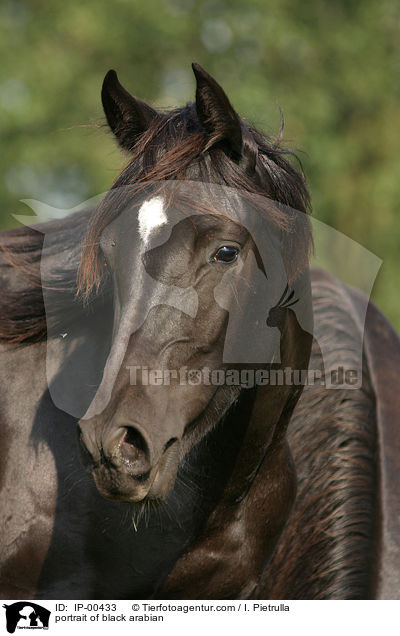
x=151, y=215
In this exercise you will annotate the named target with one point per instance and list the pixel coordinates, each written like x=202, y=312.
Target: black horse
x=153, y=325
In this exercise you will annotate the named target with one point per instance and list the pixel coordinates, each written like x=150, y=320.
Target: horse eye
x=226, y=254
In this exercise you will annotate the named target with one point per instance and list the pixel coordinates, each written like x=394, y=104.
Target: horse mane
x=24, y=318
x=327, y=549
x=175, y=147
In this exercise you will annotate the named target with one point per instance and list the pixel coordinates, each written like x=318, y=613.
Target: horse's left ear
x=216, y=113
x=127, y=116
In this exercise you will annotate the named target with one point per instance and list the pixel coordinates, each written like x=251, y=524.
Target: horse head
x=198, y=240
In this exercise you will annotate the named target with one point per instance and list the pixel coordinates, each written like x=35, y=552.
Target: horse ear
x=216, y=113
x=127, y=116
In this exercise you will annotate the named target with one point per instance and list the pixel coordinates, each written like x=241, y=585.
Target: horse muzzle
x=126, y=467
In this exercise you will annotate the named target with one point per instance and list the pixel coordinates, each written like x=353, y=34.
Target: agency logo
x=26, y=615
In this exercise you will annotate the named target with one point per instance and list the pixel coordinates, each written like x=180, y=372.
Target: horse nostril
x=133, y=448
x=169, y=443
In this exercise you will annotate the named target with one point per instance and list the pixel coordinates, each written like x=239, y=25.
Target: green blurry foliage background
x=333, y=68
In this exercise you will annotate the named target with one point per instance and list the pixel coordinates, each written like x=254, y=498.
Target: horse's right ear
x=127, y=116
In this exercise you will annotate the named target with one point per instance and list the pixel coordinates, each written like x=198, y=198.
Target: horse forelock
x=175, y=147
